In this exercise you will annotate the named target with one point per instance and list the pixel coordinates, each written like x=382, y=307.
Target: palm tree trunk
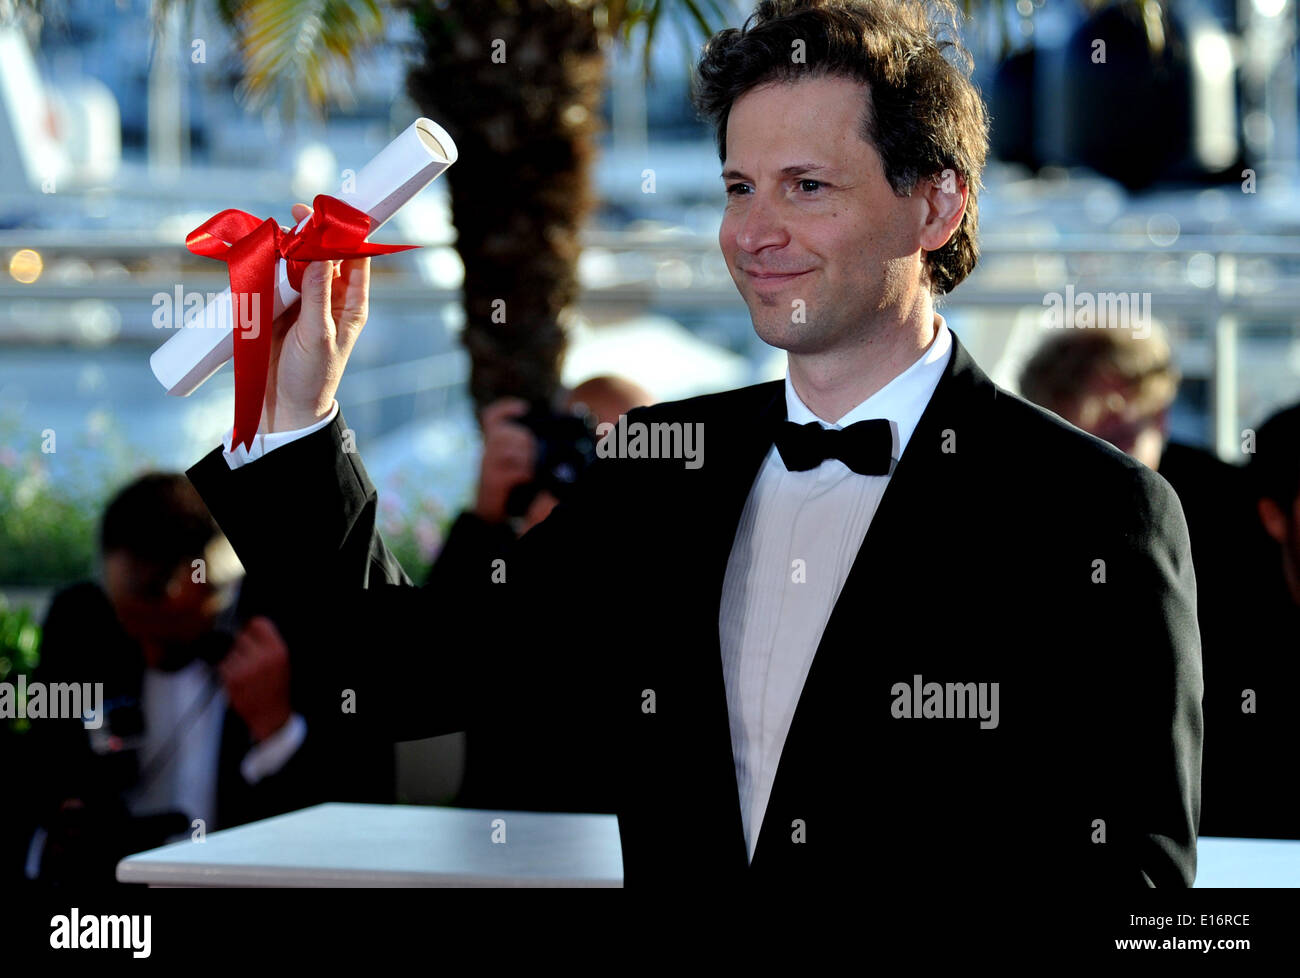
x=517, y=84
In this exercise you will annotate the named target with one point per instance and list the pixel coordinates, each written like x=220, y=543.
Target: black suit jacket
x=497, y=773
x=1009, y=547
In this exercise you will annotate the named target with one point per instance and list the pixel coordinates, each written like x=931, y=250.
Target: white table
x=404, y=845
x=392, y=845
x=1234, y=863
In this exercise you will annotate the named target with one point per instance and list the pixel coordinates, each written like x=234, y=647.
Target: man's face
x=163, y=610
x=1111, y=408
x=813, y=234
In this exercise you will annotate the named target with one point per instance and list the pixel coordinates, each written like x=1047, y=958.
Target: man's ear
x=945, y=197
x=1272, y=519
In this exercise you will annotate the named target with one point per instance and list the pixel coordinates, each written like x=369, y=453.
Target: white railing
x=1242, y=281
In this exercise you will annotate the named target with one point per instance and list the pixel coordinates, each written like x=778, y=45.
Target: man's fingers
x=499, y=453
x=316, y=280
x=261, y=625
x=539, y=509
x=284, y=322
x=232, y=666
x=507, y=435
x=516, y=466
x=350, y=298
x=299, y=212
x=262, y=631
x=499, y=410
x=256, y=635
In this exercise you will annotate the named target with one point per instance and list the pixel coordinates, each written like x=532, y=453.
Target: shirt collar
x=902, y=401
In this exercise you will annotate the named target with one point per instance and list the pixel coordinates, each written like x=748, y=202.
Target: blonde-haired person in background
x=1110, y=382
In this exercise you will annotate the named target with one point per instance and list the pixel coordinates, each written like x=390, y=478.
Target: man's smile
x=772, y=281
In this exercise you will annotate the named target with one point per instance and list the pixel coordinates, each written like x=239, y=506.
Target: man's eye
x=735, y=189
x=810, y=186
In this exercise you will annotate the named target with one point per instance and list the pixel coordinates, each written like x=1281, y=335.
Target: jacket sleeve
x=497, y=644
x=1153, y=738
x=305, y=510
x=320, y=770
x=303, y=521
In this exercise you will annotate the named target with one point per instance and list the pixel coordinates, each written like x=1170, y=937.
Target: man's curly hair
x=922, y=114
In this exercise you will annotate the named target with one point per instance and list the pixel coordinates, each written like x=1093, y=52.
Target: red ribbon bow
x=252, y=248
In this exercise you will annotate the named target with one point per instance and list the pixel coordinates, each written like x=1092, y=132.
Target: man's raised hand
x=311, y=342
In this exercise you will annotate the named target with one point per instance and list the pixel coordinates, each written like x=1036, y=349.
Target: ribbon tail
x=252, y=283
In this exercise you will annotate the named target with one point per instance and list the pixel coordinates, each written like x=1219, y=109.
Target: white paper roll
x=401, y=170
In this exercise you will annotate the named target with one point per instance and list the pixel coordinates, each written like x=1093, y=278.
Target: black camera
x=566, y=445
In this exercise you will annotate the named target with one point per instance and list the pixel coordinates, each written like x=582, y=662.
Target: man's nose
x=762, y=226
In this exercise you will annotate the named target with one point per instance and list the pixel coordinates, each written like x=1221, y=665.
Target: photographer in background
x=525, y=450
x=198, y=718
x=529, y=458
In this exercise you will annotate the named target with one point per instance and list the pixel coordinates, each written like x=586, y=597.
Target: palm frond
x=308, y=46
x=292, y=48
x=12, y=10
x=699, y=18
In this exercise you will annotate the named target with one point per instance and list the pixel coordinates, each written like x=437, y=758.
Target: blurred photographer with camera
x=199, y=730
x=529, y=455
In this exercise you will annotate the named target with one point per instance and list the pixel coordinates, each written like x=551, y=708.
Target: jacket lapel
x=915, y=494
x=738, y=446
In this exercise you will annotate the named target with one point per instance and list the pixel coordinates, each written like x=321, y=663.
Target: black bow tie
x=866, y=447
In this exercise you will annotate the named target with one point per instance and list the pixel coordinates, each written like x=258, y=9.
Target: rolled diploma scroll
x=401, y=170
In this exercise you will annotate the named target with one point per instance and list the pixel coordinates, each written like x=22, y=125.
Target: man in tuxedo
x=949, y=642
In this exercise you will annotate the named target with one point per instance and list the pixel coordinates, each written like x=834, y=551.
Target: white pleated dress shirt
x=770, y=622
